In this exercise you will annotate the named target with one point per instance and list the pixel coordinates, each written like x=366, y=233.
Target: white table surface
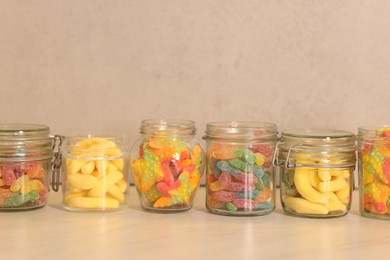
x=53, y=233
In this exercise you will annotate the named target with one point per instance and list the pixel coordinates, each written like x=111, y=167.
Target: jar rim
x=23, y=131
x=250, y=130
x=167, y=126
x=374, y=132
x=317, y=133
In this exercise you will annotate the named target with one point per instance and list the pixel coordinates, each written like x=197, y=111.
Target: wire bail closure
x=287, y=164
x=56, y=162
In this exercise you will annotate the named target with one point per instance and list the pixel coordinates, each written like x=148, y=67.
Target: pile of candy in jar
x=93, y=183
x=167, y=173
x=22, y=185
x=239, y=178
x=375, y=159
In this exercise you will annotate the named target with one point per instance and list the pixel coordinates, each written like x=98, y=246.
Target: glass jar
x=167, y=163
x=94, y=173
x=26, y=151
x=240, y=174
x=317, y=173
x=374, y=171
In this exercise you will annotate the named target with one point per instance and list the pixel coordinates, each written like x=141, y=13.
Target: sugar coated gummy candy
x=167, y=173
x=238, y=179
x=20, y=190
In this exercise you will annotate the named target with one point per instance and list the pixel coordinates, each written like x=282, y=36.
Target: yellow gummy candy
x=74, y=165
x=260, y=159
x=304, y=206
x=33, y=185
x=16, y=185
x=122, y=184
x=75, y=194
x=105, y=184
x=92, y=203
x=116, y=193
x=88, y=168
x=82, y=181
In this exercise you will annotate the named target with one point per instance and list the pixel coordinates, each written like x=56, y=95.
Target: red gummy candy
x=239, y=186
x=225, y=179
x=185, y=155
x=246, y=178
x=175, y=167
x=223, y=196
x=8, y=175
x=244, y=203
x=163, y=188
x=189, y=169
x=263, y=149
x=386, y=170
x=168, y=177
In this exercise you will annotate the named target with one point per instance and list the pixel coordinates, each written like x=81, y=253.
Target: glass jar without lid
x=94, y=172
x=316, y=171
x=240, y=176
x=374, y=171
x=167, y=163
x=26, y=151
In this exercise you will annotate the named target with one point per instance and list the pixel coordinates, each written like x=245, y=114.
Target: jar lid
x=168, y=127
x=23, y=131
x=241, y=130
x=320, y=137
x=25, y=142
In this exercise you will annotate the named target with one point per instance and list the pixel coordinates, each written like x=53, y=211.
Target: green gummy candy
x=258, y=171
x=231, y=207
x=247, y=155
x=19, y=199
x=238, y=164
x=260, y=185
x=226, y=167
x=33, y=195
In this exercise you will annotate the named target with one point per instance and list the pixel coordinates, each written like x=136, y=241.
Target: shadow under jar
x=26, y=151
x=239, y=172
x=316, y=173
x=167, y=163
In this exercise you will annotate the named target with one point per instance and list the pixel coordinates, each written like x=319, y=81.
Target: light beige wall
x=82, y=65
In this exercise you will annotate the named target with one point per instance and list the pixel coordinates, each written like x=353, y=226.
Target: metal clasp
x=289, y=165
x=56, y=162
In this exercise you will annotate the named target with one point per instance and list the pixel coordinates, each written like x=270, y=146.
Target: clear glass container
x=94, y=173
x=26, y=151
x=167, y=163
x=316, y=173
x=374, y=171
x=240, y=175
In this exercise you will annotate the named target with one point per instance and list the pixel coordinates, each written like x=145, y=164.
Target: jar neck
x=241, y=131
x=374, y=133
x=168, y=127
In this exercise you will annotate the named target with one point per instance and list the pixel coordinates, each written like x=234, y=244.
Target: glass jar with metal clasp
x=26, y=152
x=316, y=171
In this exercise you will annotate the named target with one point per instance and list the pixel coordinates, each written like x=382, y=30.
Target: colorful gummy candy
x=167, y=172
x=95, y=175
x=22, y=185
x=239, y=178
x=375, y=169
